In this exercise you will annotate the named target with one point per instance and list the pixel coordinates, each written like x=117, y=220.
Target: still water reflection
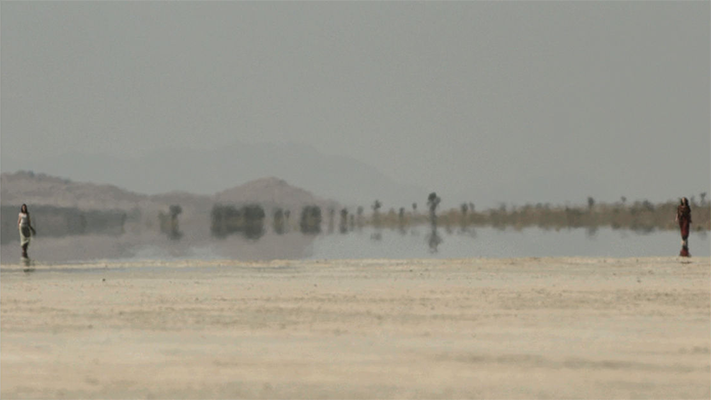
x=419, y=242
x=492, y=242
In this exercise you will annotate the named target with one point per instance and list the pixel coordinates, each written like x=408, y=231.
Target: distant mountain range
x=137, y=227
x=31, y=188
x=206, y=172
x=41, y=189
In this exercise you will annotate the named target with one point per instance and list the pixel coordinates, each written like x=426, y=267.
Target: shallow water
x=498, y=243
x=418, y=242
x=481, y=242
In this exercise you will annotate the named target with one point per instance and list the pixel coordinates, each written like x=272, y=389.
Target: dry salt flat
x=596, y=328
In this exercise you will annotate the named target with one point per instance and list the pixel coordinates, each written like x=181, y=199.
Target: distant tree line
x=310, y=222
x=250, y=220
x=640, y=216
x=228, y=220
x=169, y=222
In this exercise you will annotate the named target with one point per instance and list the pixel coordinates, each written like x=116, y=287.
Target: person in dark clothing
x=683, y=217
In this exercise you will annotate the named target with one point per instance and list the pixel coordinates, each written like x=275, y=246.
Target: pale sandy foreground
x=480, y=328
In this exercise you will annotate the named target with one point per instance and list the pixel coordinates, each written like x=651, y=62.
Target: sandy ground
x=479, y=328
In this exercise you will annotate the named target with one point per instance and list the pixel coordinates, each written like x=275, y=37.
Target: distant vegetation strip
x=638, y=216
x=252, y=220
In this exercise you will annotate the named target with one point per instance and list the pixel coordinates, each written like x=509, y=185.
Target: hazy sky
x=516, y=101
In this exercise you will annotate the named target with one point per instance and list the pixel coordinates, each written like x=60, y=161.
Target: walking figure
x=683, y=217
x=26, y=230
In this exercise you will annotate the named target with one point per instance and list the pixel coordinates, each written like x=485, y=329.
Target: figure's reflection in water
x=28, y=264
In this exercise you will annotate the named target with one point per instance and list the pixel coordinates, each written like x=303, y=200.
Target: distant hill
x=189, y=201
x=27, y=187
x=271, y=193
x=207, y=171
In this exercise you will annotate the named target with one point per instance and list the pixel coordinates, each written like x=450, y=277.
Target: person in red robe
x=683, y=217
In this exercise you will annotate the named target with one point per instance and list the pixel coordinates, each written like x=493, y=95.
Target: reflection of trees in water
x=359, y=221
x=378, y=235
x=169, y=223
x=448, y=227
x=376, y=213
x=279, y=221
x=254, y=221
x=401, y=221
x=331, y=219
x=463, y=220
x=310, y=220
x=228, y=220
x=343, y=223
x=432, y=202
x=434, y=239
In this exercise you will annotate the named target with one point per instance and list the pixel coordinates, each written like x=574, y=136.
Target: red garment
x=683, y=214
